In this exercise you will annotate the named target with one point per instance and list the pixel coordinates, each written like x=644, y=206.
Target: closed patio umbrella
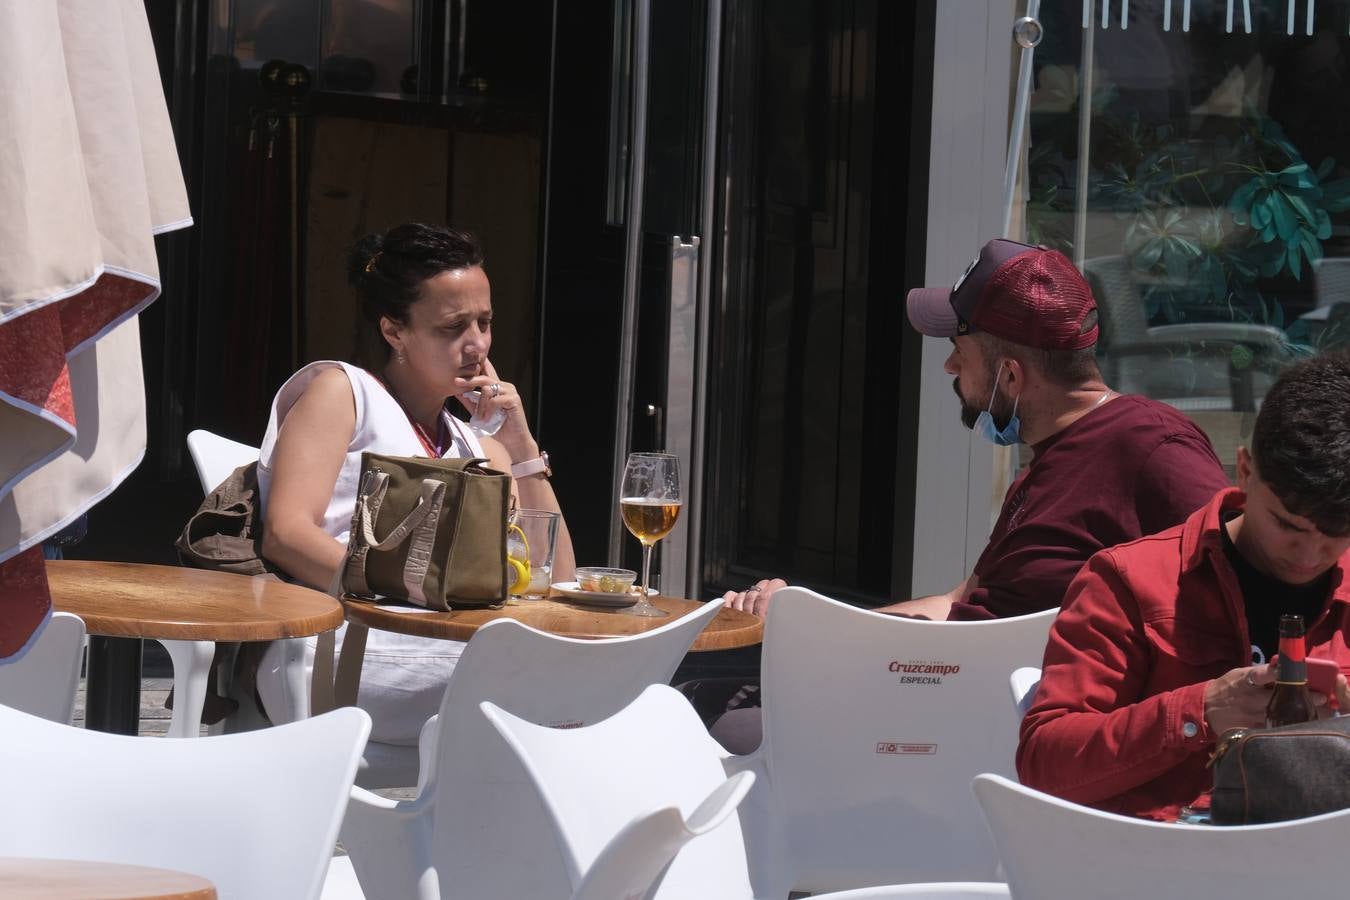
x=88, y=175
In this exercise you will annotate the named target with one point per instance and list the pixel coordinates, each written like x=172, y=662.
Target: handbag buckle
x=1225, y=742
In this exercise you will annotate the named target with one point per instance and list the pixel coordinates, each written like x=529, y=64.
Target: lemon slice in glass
x=520, y=572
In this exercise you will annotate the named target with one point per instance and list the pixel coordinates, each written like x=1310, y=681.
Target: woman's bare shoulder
x=328, y=402
x=329, y=388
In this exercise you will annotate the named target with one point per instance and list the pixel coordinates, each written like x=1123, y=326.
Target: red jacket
x=1119, y=722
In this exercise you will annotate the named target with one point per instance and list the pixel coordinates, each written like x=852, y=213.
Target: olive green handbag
x=429, y=531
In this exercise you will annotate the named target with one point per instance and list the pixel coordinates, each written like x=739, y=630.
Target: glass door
x=809, y=420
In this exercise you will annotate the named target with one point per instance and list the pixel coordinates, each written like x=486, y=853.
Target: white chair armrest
x=427, y=743
x=1024, y=682
x=389, y=842
x=748, y=762
x=722, y=802
x=636, y=857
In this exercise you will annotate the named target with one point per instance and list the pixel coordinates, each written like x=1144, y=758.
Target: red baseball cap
x=1033, y=296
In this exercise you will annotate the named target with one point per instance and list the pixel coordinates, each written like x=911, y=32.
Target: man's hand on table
x=1238, y=698
x=754, y=599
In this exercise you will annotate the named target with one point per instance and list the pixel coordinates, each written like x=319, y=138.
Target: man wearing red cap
x=1106, y=468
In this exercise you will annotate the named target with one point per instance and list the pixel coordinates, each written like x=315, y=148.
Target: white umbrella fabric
x=88, y=175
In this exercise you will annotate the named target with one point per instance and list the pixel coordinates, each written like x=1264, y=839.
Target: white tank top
x=381, y=427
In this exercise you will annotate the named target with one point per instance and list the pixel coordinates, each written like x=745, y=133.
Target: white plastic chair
x=476, y=828
x=620, y=825
x=1052, y=848
x=1024, y=682
x=653, y=820
x=44, y=680
x=256, y=813
x=874, y=723
x=215, y=457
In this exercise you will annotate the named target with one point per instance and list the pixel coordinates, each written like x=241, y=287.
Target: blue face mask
x=984, y=424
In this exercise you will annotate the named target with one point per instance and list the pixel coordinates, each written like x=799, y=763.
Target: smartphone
x=1321, y=674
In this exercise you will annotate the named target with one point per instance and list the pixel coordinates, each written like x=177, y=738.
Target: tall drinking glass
x=650, y=503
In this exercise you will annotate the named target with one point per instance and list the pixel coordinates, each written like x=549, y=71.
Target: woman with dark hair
x=423, y=287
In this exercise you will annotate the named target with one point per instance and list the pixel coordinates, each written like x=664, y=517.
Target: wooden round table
x=68, y=879
x=172, y=604
x=729, y=628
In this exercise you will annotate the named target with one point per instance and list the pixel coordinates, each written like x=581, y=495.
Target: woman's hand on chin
x=515, y=431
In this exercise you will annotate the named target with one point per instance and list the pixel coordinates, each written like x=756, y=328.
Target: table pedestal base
x=113, y=685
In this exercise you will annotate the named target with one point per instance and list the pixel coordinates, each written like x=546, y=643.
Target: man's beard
x=1001, y=410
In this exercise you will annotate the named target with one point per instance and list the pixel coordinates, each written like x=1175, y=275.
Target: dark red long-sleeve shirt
x=1128, y=468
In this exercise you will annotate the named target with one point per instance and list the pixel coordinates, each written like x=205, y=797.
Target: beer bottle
x=1290, y=702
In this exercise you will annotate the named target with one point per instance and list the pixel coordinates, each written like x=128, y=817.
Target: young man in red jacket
x=1162, y=643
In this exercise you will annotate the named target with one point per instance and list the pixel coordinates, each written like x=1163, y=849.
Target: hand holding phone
x=1321, y=674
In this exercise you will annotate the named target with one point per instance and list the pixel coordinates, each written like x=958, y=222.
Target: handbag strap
x=420, y=522
x=370, y=495
x=431, y=497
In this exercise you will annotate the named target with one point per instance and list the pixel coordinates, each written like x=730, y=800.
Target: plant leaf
x=1148, y=255
x=1243, y=197
x=1323, y=224
x=1301, y=207
x=1286, y=223
x=1261, y=214
x=1297, y=175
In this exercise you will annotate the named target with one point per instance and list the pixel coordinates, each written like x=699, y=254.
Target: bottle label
x=1294, y=649
x=1292, y=667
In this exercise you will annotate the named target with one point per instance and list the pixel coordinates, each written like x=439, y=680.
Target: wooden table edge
x=59, y=876
x=115, y=627
x=364, y=612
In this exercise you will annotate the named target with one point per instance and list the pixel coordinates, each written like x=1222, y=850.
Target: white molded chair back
x=628, y=794
x=1024, y=682
x=873, y=727
x=1053, y=848
x=216, y=457
x=43, y=681
x=256, y=813
x=489, y=835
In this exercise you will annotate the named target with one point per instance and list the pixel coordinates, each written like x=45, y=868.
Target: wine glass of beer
x=650, y=503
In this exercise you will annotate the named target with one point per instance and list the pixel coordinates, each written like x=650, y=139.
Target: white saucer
x=570, y=590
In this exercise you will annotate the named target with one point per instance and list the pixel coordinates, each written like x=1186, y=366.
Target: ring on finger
x=1250, y=679
x=496, y=388
x=753, y=589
